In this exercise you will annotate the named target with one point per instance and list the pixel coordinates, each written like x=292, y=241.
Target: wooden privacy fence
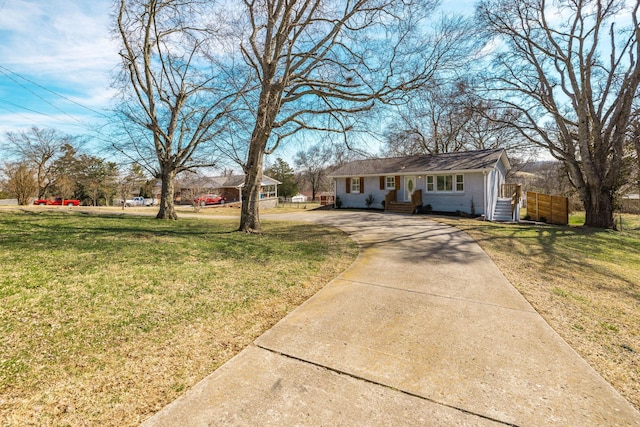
x=546, y=208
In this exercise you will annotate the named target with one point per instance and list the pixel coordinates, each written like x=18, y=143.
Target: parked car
x=209, y=199
x=58, y=201
x=136, y=201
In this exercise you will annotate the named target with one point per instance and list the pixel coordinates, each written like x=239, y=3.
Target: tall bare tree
x=634, y=144
x=318, y=64
x=448, y=116
x=176, y=87
x=571, y=69
x=430, y=122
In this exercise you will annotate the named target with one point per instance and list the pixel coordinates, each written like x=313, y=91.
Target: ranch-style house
x=470, y=182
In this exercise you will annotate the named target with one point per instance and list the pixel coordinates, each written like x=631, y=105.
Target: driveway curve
x=423, y=329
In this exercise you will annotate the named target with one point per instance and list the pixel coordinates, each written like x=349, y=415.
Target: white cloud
x=71, y=124
x=55, y=46
x=59, y=42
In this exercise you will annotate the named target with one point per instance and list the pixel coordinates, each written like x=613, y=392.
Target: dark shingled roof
x=238, y=181
x=459, y=161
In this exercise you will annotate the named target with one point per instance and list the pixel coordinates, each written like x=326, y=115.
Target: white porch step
x=502, y=211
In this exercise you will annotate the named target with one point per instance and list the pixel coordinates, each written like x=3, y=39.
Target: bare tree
x=42, y=150
x=447, y=117
x=313, y=164
x=20, y=181
x=634, y=147
x=431, y=122
x=176, y=92
x=572, y=74
x=318, y=64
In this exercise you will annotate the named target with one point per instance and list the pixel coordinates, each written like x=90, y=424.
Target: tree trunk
x=250, y=212
x=167, y=207
x=598, y=208
x=267, y=111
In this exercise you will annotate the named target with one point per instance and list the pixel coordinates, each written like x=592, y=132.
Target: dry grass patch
x=584, y=282
x=106, y=319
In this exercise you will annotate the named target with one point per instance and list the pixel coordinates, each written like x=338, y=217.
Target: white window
x=445, y=183
x=430, y=183
x=390, y=182
x=355, y=185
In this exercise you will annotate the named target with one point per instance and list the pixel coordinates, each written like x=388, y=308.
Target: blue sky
x=56, y=63
x=56, y=60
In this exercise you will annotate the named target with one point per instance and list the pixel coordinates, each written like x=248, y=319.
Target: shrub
x=369, y=201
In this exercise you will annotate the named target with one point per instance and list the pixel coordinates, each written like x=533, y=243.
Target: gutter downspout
x=484, y=195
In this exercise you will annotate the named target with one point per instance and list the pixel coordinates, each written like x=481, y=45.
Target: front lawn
x=104, y=319
x=585, y=282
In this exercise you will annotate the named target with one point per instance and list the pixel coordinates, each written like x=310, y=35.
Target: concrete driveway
x=423, y=329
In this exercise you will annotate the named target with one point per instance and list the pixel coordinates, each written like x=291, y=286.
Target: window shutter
x=348, y=185
x=382, y=178
x=361, y=184
x=397, y=182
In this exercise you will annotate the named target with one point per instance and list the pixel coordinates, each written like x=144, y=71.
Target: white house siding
x=358, y=200
x=483, y=170
x=495, y=179
x=439, y=201
x=452, y=202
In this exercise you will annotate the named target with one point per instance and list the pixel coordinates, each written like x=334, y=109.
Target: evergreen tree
x=284, y=173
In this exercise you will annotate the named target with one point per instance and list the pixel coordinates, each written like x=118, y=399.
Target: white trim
x=386, y=183
x=407, y=191
x=352, y=181
x=484, y=195
x=454, y=181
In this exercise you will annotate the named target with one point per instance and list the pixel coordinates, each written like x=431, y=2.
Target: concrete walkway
x=423, y=329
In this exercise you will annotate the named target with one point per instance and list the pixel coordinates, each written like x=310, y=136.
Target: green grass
x=585, y=282
x=105, y=319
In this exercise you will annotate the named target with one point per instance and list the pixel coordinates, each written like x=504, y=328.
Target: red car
x=209, y=199
x=58, y=201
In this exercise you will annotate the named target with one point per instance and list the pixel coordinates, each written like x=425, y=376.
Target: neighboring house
x=467, y=182
x=299, y=198
x=268, y=187
x=230, y=187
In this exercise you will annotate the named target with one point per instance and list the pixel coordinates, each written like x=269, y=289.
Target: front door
x=409, y=187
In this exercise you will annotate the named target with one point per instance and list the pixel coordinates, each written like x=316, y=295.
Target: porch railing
x=416, y=199
x=513, y=192
x=391, y=198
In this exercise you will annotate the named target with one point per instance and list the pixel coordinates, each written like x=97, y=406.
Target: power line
x=46, y=89
x=22, y=115
x=38, y=96
x=30, y=110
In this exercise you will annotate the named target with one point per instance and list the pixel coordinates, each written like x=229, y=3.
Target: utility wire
x=31, y=119
x=6, y=71
x=30, y=110
x=40, y=97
